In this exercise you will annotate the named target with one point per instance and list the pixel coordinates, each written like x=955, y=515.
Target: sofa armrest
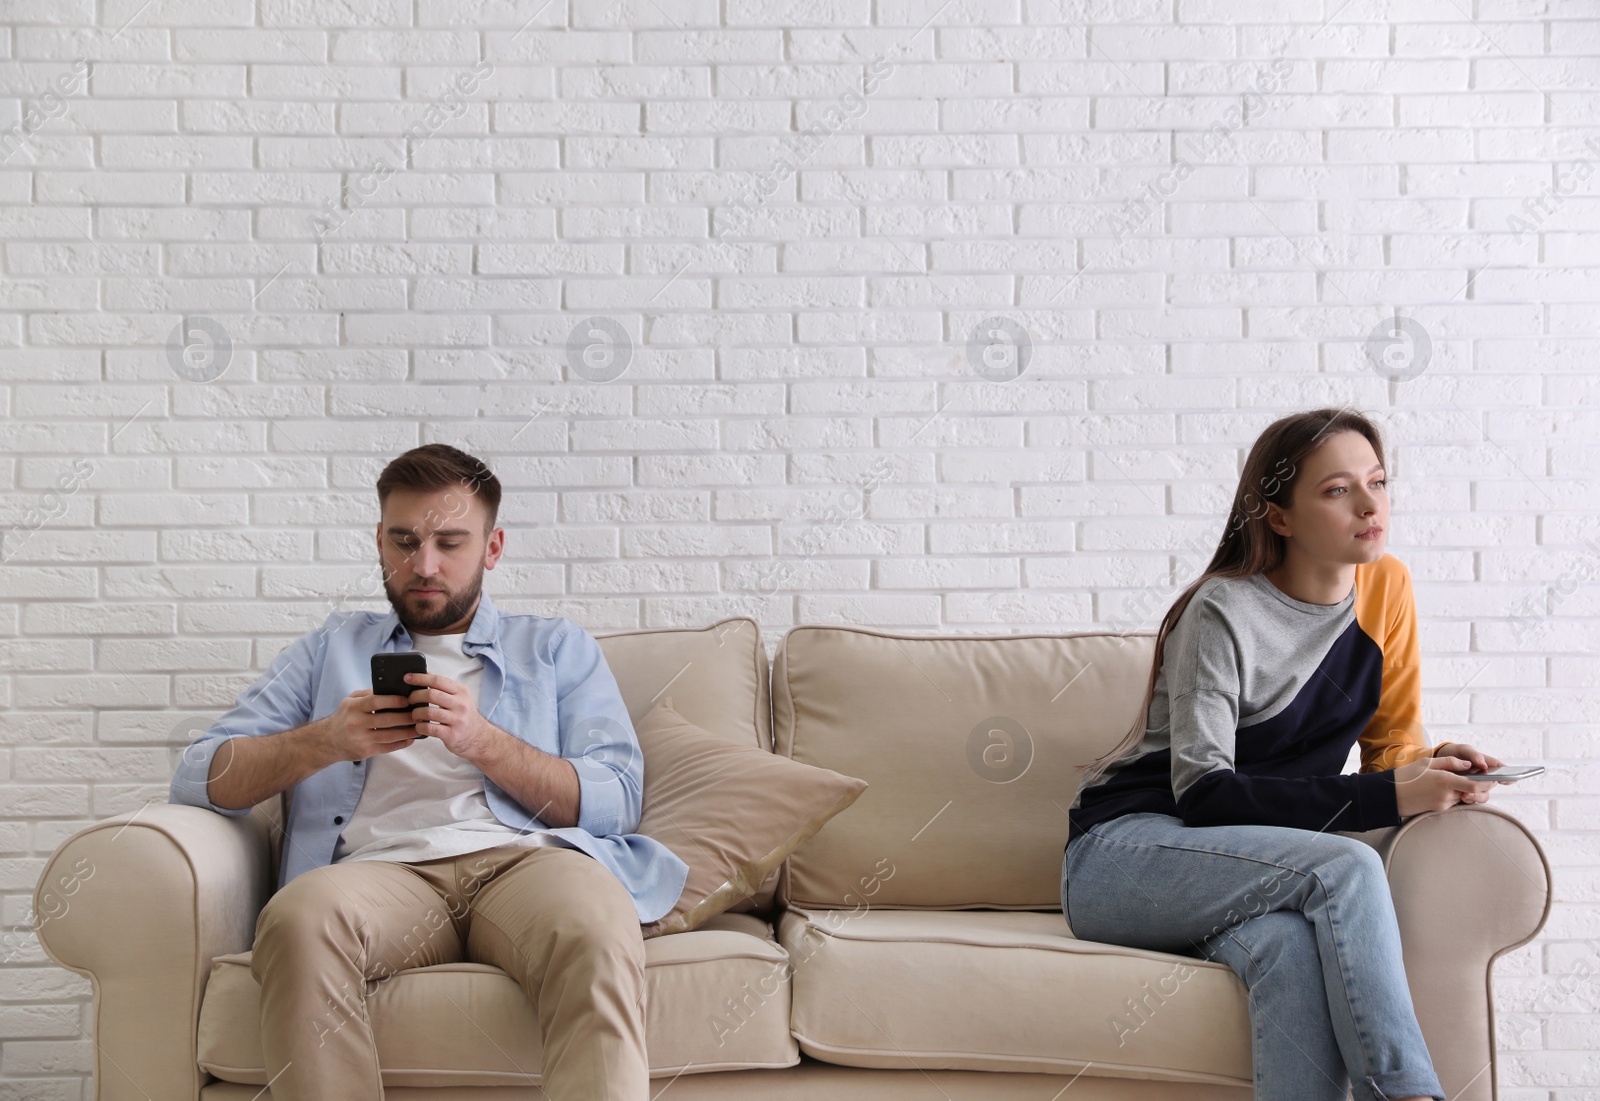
x=1469, y=884
x=141, y=903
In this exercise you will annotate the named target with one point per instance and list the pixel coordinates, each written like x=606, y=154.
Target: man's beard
x=451, y=608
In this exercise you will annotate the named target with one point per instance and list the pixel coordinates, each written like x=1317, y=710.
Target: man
x=489, y=823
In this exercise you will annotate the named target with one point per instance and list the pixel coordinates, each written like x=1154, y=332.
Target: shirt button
x=338, y=820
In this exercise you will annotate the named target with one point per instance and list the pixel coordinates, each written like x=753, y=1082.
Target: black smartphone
x=388, y=678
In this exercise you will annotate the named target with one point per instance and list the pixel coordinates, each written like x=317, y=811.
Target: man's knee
x=595, y=918
x=305, y=899
x=311, y=908
x=607, y=949
x=589, y=886
x=604, y=924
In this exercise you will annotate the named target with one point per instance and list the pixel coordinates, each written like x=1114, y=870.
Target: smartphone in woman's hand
x=1509, y=774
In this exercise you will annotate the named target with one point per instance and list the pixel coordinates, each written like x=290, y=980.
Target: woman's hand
x=1437, y=783
x=1481, y=761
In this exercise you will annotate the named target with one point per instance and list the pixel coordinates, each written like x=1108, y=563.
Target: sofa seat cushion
x=1007, y=991
x=716, y=998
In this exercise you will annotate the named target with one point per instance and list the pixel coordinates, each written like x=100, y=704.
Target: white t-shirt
x=423, y=802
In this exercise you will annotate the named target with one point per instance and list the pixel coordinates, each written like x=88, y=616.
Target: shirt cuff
x=191, y=779
x=602, y=800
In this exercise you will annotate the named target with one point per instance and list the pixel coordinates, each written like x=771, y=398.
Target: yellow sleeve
x=1388, y=613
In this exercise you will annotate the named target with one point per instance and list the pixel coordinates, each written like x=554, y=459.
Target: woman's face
x=1342, y=492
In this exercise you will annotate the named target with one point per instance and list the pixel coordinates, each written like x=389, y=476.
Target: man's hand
x=246, y=770
x=445, y=709
x=353, y=732
x=1437, y=783
x=545, y=785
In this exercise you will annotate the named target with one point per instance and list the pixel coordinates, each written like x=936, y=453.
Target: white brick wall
x=399, y=212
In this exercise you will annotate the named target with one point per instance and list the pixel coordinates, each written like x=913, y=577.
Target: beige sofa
x=915, y=948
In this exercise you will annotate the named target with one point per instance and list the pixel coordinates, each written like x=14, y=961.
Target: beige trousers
x=554, y=919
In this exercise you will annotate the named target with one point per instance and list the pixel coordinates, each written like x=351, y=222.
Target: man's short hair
x=435, y=466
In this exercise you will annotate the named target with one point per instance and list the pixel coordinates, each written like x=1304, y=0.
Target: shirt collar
x=483, y=633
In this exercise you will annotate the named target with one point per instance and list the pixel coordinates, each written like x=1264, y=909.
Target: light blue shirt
x=545, y=682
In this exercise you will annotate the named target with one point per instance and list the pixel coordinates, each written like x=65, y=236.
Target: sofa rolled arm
x=1469, y=885
x=141, y=904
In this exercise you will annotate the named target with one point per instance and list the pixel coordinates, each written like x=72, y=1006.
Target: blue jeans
x=1303, y=918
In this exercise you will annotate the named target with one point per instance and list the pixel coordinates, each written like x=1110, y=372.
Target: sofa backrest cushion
x=718, y=675
x=719, y=679
x=971, y=747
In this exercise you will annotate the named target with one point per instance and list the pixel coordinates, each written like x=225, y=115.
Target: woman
x=1212, y=829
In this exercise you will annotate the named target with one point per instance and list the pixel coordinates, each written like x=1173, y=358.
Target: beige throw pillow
x=732, y=812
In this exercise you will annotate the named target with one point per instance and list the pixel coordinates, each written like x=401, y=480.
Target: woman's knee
x=1286, y=934
x=1350, y=866
x=1280, y=943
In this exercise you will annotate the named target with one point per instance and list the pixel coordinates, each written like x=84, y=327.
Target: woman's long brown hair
x=1249, y=545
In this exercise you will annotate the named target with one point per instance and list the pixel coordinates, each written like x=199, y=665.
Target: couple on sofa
x=437, y=835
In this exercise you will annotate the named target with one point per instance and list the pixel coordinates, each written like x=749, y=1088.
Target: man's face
x=434, y=550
